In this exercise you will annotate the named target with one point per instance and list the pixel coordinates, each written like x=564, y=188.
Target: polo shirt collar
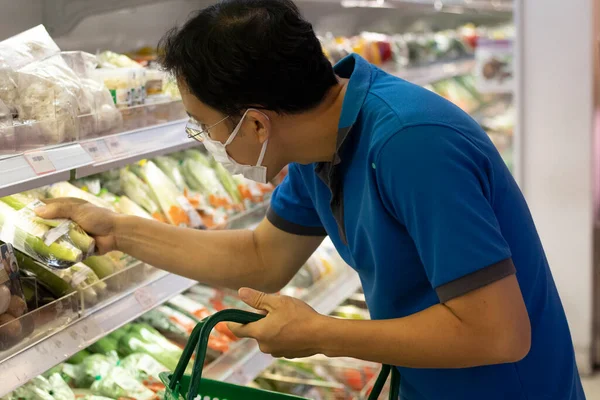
x=359, y=71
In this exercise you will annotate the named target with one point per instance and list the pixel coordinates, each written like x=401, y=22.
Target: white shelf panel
x=17, y=174
x=91, y=326
x=125, y=148
x=93, y=156
x=244, y=362
x=435, y=72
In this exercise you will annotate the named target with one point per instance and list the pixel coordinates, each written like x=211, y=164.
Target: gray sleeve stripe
x=295, y=229
x=476, y=280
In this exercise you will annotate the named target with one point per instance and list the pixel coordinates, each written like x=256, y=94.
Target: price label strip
x=40, y=162
x=115, y=145
x=145, y=298
x=98, y=150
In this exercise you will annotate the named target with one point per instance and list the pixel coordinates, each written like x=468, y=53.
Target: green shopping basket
x=194, y=387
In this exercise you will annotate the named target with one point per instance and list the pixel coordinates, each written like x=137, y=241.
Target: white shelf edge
x=141, y=143
x=244, y=362
x=428, y=74
x=50, y=351
x=73, y=160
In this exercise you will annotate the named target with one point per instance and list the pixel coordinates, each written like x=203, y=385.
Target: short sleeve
x=439, y=185
x=292, y=209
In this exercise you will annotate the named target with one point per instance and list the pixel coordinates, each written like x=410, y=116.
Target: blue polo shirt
x=419, y=202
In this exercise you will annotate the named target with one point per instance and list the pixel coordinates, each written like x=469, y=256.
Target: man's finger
x=242, y=331
x=71, y=200
x=259, y=300
x=56, y=210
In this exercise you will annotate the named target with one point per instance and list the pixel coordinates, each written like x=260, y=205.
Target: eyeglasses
x=200, y=132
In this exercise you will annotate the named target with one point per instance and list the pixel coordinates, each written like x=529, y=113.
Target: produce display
x=126, y=362
x=57, y=258
x=12, y=299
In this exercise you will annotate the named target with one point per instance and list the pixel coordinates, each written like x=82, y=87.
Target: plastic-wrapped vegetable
x=203, y=179
x=119, y=383
x=227, y=181
x=27, y=233
x=74, y=233
x=170, y=167
x=65, y=189
x=171, y=323
x=142, y=338
x=7, y=131
x=126, y=206
x=84, y=279
x=174, y=204
x=94, y=367
x=138, y=191
x=143, y=367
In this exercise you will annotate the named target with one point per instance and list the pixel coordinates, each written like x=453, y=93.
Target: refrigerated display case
x=71, y=323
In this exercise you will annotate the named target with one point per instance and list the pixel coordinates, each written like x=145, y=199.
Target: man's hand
x=97, y=222
x=287, y=330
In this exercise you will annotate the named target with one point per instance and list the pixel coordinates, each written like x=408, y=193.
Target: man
x=411, y=191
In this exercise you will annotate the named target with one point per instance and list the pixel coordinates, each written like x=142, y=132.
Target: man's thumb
x=258, y=300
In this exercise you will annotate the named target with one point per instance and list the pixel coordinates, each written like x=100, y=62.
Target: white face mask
x=257, y=173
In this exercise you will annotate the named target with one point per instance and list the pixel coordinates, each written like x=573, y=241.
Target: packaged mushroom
x=12, y=301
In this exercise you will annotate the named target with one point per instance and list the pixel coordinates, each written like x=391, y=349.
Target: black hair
x=239, y=54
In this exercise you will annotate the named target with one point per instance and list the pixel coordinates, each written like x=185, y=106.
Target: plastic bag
x=29, y=46
x=8, y=86
x=83, y=279
x=94, y=367
x=119, y=383
x=50, y=93
x=104, y=116
x=7, y=131
x=12, y=300
x=143, y=367
x=58, y=243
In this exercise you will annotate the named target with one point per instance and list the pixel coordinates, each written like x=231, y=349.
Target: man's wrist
x=327, y=332
x=123, y=227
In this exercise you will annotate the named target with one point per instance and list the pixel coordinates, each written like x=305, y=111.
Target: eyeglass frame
x=196, y=131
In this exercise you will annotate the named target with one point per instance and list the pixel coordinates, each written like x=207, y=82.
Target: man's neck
x=313, y=136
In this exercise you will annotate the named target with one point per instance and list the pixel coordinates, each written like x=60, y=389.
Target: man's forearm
x=219, y=258
x=433, y=338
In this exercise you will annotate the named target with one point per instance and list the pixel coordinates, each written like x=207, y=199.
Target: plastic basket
x=193, y=387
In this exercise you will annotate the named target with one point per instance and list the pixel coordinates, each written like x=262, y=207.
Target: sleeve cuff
x=294, y=229
x=475, y=280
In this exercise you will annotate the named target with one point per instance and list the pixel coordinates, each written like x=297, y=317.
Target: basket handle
x=199, y=341
x=380, y=383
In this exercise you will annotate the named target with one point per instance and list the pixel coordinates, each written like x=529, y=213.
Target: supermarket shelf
x=435, y=72
x=244, y=362
x=125, y=148
x=20, y=172
x=88, y=328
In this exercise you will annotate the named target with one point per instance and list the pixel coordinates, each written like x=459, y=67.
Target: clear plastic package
x=120, y=82
x=12, y=300
x=104, y=117
x=58, y=243
x=50, y=94
x=29, y=46
x=7, y=131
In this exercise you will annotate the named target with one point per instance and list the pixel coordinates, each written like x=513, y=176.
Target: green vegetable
x=103, y=266
x=142, y=338
x=105, y=345
x=54, y=283
x=79, y=238
x=28, y=237
x=79, y=357
x=227, y=181
x=203, y=179
x=170, y=167
x=196, y=155
x=93, y=368
x=138, y=191
x=143, y=367
x=119, y=383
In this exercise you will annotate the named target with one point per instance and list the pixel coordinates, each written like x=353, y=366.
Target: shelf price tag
x=98, y=150
x=145, y=298
x=39, y=162
x=115, y=145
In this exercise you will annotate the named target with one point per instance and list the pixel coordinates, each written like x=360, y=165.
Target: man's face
x=246, y=146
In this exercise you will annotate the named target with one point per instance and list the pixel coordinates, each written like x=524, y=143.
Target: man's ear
x=261, y=125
